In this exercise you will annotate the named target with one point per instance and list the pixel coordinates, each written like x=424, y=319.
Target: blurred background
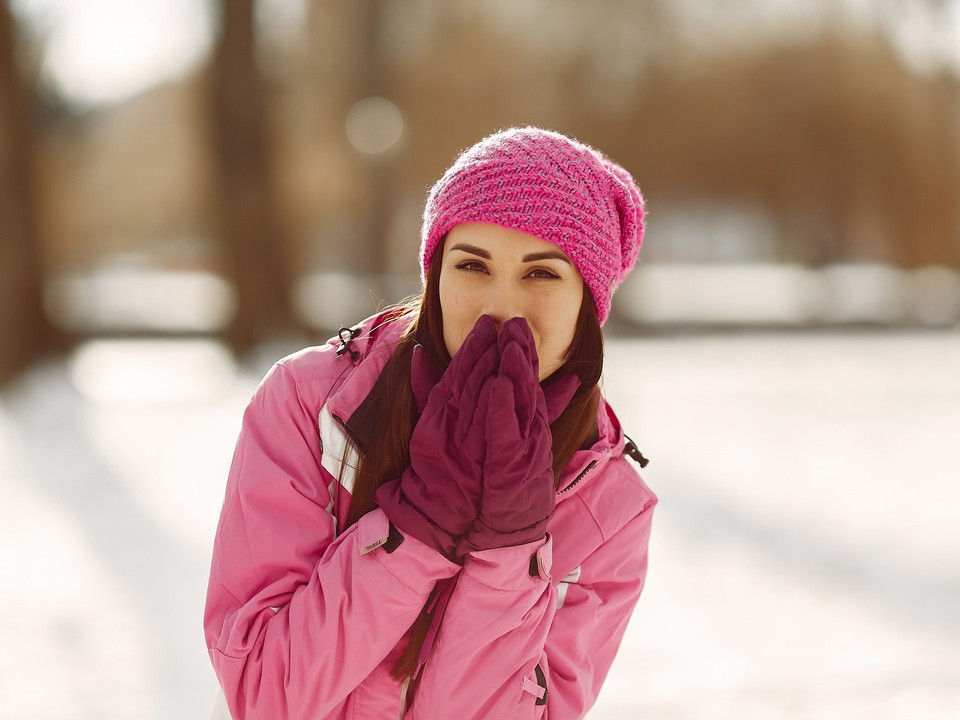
x=190, y=189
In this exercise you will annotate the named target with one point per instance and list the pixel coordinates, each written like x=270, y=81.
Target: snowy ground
x=805, y=561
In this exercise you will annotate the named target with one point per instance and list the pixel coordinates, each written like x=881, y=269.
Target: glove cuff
x=409, y=520
x=483, y=537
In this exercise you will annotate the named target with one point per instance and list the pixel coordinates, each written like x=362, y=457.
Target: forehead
x=500, y=241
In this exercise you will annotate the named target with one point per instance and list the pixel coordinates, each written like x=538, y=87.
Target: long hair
x=386, y=417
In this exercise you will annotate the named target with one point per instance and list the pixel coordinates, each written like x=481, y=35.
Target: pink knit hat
x=547, y=185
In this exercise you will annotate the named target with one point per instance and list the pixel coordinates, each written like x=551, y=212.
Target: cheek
x=451, y=339
x=557, y=325
x=452, y=312
x=554, y=341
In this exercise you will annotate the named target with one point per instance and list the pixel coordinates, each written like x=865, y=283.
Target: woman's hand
x=437, y=498
x=518, y=482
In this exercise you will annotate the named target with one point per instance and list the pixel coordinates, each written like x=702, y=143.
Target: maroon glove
x=518, y=484
x=437, y=497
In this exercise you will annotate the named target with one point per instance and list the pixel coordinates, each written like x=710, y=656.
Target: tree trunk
x=371, y=82
x=26, y=332
x=245, y=217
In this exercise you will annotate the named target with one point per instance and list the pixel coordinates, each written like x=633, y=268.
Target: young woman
x=432, y=516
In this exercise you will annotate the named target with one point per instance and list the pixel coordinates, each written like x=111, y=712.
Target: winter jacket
x=303, y=621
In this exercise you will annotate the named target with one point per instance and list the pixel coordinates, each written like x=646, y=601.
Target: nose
x=502, y=304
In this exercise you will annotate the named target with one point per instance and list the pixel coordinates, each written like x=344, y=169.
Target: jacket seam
x=593, y=517
x=240, y=658
x=534, y=586
x=649, y=503
x=220, y=585
x=374, y=555
x=298, y=383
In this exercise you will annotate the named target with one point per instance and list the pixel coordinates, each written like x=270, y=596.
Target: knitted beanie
x=547, y=185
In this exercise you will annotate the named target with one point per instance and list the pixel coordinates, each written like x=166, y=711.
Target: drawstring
x=436, y=607
x=346, y=336
x=630, y=448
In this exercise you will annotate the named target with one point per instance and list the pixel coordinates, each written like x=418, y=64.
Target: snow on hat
x=547, y=185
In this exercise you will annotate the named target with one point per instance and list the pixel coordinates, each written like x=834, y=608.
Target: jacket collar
x=586, y=463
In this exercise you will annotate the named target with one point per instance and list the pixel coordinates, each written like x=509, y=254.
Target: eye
x=543, y=274
x=471, y=266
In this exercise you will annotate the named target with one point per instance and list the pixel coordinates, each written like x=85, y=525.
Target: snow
x=804, y=563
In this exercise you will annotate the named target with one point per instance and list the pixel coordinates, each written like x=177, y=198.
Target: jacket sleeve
x=295, y=619
x=506, y=651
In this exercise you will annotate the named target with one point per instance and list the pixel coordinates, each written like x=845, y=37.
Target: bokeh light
x=374, y=125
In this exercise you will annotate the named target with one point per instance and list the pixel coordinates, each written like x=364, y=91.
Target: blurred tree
x=851, y=154
x=25, y=331
x=245, y=219
x=371, y=82
x=846, y=150
x=825, y=132
x=347, y=58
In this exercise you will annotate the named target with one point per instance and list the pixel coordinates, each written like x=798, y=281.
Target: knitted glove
x=437, y=497
x=518, y=484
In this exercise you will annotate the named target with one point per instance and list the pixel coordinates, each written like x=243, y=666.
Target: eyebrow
x=548, y=255
x=532, y=257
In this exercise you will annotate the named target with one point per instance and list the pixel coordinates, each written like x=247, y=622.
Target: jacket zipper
x=579, y=477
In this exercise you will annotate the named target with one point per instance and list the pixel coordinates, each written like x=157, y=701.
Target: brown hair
x=386, y=417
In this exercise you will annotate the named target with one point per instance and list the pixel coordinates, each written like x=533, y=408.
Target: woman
x=432, y=515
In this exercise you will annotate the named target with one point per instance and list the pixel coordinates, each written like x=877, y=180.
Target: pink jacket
x=303, y=622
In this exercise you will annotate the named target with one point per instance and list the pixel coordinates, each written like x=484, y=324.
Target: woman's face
x=490, y=270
